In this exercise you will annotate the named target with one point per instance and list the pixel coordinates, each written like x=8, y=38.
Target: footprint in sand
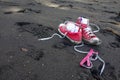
x=66, y=19
x=33, y=52
x=111, y=12
x=112, y=22
x=38, y=30
x=108, y=74
x=0, y=35
x=115, y=44
x=59, y=4
x=113, y=33
x=117, y=18
x=93, y=74
x=36, y=54
x=53, y=5
x=15, y=9
x=61, y=45
x=29, y=76
x=7, y=3
x=66, y=4
x=119, y=74
x=5, y=71
x=84, y=74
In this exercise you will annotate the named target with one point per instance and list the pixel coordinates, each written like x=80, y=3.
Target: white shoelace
x=55, y=34
x=98, y=28
x=90, y=32
x=103, y=67
x=78, y=46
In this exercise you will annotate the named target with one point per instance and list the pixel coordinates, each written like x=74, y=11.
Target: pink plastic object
x=87, y=58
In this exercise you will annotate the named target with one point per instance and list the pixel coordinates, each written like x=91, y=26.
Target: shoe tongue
x=85, y=22
x=72, y=27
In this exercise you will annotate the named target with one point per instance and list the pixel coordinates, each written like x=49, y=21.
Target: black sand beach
x=23, y=22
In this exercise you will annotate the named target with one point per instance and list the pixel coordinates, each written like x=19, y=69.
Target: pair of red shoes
x=75, y=32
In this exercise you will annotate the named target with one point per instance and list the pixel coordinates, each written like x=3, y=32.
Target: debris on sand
x=13, y=9
x=24, y=49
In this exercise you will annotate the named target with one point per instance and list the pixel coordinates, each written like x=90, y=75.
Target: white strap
x=98, y=28
x=55, y=34
x=103, y=67
x=78, y=46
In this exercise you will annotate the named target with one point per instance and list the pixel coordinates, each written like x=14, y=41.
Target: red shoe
x=72, y=31
x=87, y=33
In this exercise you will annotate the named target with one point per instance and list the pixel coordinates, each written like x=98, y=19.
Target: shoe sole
x=95, y=43
x=76, y=42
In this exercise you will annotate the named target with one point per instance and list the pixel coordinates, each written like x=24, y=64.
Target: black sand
x=23, y=22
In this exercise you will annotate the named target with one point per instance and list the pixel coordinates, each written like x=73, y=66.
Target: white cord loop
x=98, y=28
x=55, y=34
x=78, y=46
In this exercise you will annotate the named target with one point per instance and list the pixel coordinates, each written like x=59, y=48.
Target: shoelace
x=98, y=28
x=88, y=59
x=55, y=34
x=78, y=46
x=90, y=32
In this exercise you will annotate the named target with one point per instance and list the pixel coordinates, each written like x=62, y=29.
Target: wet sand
x=23, y=22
